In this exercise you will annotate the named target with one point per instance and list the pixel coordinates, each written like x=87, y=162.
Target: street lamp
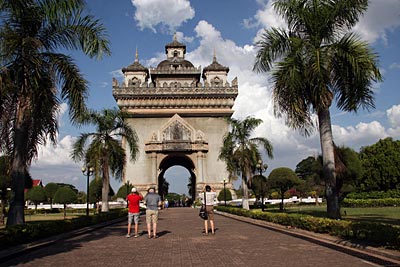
x=127, y=192
x=261, y=168
x=88, y=171
x=224, y=181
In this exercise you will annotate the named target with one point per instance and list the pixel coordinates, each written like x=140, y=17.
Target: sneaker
x=128, y=236
x=136, y=236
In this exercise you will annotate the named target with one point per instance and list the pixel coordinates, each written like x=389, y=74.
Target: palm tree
x=105, y=148
x=240, y=151
x=35, y=77
x=317, y=59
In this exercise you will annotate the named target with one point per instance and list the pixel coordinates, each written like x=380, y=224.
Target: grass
x=48, y=217
x=388, y=215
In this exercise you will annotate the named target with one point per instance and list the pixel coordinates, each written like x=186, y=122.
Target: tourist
x=133, y=211
x=153, y=201
x=166, y=203
x=209, y=200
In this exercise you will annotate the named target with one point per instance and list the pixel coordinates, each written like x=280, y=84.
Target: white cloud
x=169, y=14
x=394, y=65
x=382, y=16
x=268, y=18
x=58, y=154
x=61, y=111
x=55, y=165
x=182, y=38
x=104, y=84
x=393, y=115
x=117, y=73
x=360, y=135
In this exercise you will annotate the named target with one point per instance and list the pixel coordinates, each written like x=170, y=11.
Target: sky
x=230, y=28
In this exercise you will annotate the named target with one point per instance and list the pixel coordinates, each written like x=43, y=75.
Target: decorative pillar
x=200, y=178
x=154, y=168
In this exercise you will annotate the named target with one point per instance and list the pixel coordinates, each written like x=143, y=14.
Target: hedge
x=363, y=203
x=373, y=233
x=32, y=231
x=394, y=193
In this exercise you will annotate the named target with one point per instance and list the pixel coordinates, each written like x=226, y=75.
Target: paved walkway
x=181, y=243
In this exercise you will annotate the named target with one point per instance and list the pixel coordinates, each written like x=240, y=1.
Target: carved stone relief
x=176, y=132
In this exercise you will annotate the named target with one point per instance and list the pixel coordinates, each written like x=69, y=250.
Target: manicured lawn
x=48, y=217
x=389, y=215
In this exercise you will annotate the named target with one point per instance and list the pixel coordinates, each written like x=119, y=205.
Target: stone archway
x=175, y=159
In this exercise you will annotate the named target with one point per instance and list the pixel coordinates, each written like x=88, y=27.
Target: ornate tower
x=179, y=120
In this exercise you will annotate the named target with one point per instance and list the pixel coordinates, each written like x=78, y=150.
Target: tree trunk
x=245, y=198
x=106, y=185
x=328, y=161
x=17, y=203
x=19, y=161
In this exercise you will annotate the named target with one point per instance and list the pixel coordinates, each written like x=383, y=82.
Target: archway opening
x=178, y=169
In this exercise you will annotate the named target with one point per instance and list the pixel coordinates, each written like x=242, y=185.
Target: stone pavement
x=181, y=243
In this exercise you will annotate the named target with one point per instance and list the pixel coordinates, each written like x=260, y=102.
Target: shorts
x=151, y=216
x=210, y=212
x=133, y=217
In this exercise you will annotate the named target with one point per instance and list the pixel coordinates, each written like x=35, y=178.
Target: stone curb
x=382, y=257
x=15, y=251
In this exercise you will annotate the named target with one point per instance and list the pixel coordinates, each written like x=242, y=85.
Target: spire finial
x=175, y=38
x=215, y=56
x=136, y=55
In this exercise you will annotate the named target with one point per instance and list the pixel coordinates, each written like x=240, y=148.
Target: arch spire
x=136, y=55
x=215, y=56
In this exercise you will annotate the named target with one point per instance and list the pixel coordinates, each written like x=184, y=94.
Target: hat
x=151, y=188
x=133, y=190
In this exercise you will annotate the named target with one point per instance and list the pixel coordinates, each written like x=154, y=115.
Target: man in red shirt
x=133, y=211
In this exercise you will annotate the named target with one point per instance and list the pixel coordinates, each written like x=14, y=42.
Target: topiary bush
x=221, y=195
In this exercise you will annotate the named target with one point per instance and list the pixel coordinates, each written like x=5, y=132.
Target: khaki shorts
x=151, y=216
x=210, y=212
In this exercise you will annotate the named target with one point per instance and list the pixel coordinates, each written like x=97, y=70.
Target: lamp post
x=127, y=192
x=261, y=168
x=88, y=171
x=224, y=181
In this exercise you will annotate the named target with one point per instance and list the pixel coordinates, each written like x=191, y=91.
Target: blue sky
x=231, y=29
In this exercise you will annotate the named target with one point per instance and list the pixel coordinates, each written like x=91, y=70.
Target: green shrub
x=362, y=203
x=228, y=195
x=373, y=233
x=395, y=193
x=32, y=231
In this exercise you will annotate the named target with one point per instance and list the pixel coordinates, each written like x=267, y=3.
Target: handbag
x=203, y=212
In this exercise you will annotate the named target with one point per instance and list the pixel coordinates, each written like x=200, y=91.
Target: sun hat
x=133, y=190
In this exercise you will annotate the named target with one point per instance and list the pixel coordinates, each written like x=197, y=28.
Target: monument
x=179, y=119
